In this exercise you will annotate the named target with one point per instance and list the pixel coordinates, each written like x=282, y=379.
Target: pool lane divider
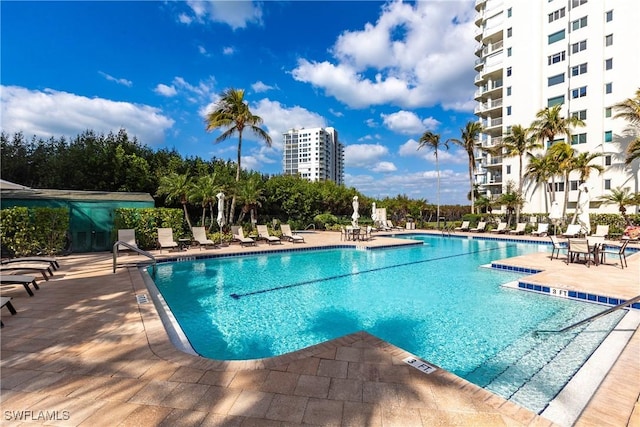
x=339, y=276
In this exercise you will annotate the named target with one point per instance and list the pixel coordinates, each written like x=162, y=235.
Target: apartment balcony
x=496, y=140
x=492, y=122
x=478, y=34
x=480, y=4
x=487, y=107
x=492, y=48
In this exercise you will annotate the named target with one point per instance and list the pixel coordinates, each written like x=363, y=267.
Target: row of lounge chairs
x=573, y=230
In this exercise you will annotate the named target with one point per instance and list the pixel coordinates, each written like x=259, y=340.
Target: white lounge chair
x=601, y=231
x=263, y=233
x=393, y=227
x=573, y=230
x=52, y=261
x=519, y=228
x=288, y=235
x=200, y=237
x=238, y=235
x=501, y=229
x=482, y=225
x=557, y=247
x=165, y=239
x=543, y=229
x=463, y=227
x=127, y=235
x=28, y=268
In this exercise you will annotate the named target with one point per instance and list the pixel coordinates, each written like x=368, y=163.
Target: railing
x=133, y=248
x=313, y=226
x=597, y=315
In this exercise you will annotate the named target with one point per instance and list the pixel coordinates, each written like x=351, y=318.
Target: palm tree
x=233, y=113
x=518, y=143
x=621, y=197
x=561, y=156
x=539, y=170
x=177, y=188
x=629, y=110
x=468, y=137
x=511, y=199
x=251, y=195
x=204, y=191
x=432, y=141
x=580, y=163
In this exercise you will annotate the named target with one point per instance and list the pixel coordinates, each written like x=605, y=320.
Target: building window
x=608, y=87
x=508, y=169
x=556, y=37
x=508, y=51
x=579, y=69
x=556, y=57
x=607, y=112
x=576, y=3
x=557, y=14
x=508, y=90
x=607, y=160
x=559, y=186
x=579, y=47
x=608, y=40
x=579, y=92
x=608, y=64
x=608, y=136
x=581, y=115
x=573, y=185
x=607, y=184
x=509, y=13
x=609, y=16
x=509, y=32
x=579, y=23
x=508, y=110
x=508, y=71
x=580, y=138
x=554, y=80
x=555, y=101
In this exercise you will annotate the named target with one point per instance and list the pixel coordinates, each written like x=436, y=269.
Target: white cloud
x=453, y=155
x=203, y=50
x=50, y=113
x=385, y=167
x=372, y=123
x=408, y=123
x=259, y=87
x=164, y=90
x=203, y=91
x=228, y=50
x=336, y=113
x=236, y=14
x=402, y=59
x=123, y=82
x=364, y=155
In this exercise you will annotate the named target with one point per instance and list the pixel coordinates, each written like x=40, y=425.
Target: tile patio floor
x=83, y=352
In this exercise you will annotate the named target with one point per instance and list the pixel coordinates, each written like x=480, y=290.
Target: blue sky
x=381, y=73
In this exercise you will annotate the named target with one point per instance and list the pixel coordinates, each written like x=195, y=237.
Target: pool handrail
x=133, y=248
x=310, y=226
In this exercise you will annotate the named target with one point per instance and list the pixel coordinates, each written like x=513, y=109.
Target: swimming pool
x=433, y=300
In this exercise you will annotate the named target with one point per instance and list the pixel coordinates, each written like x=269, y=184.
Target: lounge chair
x=501, y=229
x=127, y=235
x=384, y=225
x=573, y=230
x=463, y=227
x=6, y=301
x=618, y=251
x=557, y=247
x=480, y=228
x=17, y=279
x=28, y=268
x=200, y=237
x=288, y=235
x=263, y=233
x=393, y=227
x=519, y=228
x=367, y=233
x=238, y=236
x=52, y=261
x=543, y=229
x=601, y=231
x=165, y=239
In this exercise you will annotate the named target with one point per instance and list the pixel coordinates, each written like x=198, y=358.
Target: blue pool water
x=433, y=300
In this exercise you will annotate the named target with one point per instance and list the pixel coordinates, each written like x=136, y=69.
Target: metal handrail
x=598, y=315
x=133, y=248
x=313, y=226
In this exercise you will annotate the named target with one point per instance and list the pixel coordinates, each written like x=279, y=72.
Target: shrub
x=31, y=231
x=325, y=220
x=146, y=222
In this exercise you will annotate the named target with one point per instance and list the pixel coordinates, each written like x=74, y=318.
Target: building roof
x=28, y=193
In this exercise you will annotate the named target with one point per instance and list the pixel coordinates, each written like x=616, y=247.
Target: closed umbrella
x=355, y=215
x=583, y=209
x=555, y=215
x=374, y=217
x=220, y=197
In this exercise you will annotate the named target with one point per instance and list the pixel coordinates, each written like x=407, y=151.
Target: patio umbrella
x=220, y=197
x=555, y=215
x=374, y=217
x=355, y=215
x=583, y=209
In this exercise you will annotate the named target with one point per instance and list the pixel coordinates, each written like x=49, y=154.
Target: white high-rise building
x=533, y=54
x=315, y=154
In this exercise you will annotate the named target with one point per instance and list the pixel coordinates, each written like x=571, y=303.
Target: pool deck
x=85, y=351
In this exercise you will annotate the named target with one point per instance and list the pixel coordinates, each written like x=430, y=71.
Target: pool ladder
x=133, y=248
x=596, y=316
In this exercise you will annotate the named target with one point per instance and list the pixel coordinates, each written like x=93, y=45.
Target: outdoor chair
x=200, y=238
x=573, y=230
x=482, y=225
x=127, y=235
x=601, y=231
x=463, y=227
x=618, y=251
x=287, y=234
x=580, y=247
x=16, y=279
x=28, y=268
x=501, y=229
x=263, y=233
x=165, y=239
x=52, y=261
x=520, y=228
x=238, y=236
x=557, y=247
x=543, y=229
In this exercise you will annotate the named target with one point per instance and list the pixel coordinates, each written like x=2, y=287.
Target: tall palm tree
x=251, y=195
x=432, y=141
x=233, y=113
x=539, y=170
x=562, y=155
x=580, y=163
x=468, y=138
x=204, y=191
x=511, y=199
x=629, y=110
x=517, y=143
x=176, y=187
x=623, y=198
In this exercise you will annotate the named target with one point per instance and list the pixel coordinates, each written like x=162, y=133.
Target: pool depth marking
x=324, y=279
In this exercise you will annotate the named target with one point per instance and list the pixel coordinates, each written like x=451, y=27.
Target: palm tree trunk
x=519, y=188
x=438, y=194
x=566, y=194
x=473, y=198
x=233, y=199
x=186, y=214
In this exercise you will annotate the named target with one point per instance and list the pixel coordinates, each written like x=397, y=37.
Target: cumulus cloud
x=402, y=59
x=453, y=155
x=123, y=82
x=50, y=113
x=202, y=91
x=336, y=113
x=364, y=155
x=259, y=87
x=408, y=123
x=228, y=50
x=165, y=90
x=236, y=14
x=384, y=167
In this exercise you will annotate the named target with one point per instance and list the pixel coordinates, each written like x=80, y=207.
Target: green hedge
x=30, y=231
x=146, y=222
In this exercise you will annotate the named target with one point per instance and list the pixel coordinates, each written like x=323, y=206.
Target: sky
x=380, y=73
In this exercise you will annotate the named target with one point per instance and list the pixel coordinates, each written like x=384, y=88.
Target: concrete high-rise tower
x=315, y=154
